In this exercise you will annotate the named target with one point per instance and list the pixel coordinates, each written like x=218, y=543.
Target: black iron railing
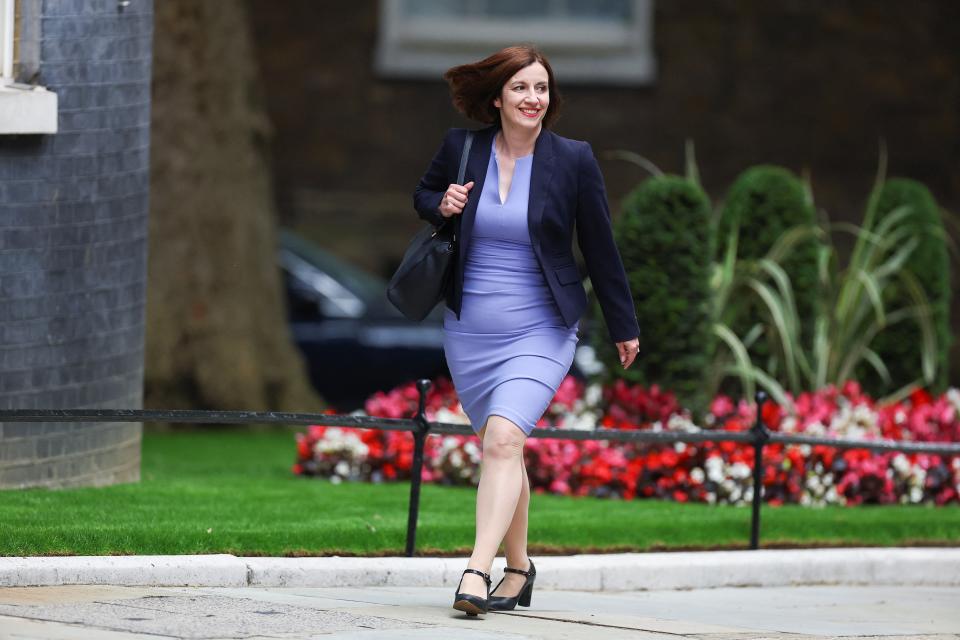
x=759, y=436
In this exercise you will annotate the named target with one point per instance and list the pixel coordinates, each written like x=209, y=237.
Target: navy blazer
x=566, y=186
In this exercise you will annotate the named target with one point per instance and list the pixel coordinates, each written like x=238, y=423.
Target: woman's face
x=525, y=97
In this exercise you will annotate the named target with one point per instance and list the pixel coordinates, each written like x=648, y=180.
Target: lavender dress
x=510, y=349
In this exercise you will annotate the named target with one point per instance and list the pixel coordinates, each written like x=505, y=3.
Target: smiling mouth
x=530, y=113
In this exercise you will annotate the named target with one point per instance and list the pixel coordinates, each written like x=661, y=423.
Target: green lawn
x=231, y=491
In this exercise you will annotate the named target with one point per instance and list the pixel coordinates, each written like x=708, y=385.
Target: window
x=8, y=39
x=595, y=42
x=24, y=106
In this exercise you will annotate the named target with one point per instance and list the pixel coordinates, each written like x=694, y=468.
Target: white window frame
x=7, y=25
x=581, y=52
x=24, y=109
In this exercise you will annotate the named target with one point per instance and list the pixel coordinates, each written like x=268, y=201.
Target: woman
x=513, y=311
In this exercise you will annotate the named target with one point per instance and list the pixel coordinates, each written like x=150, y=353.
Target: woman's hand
x=454, y=199
x=628, y=351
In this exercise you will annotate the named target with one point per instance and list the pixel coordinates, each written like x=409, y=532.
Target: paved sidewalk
x=728, y=595
x=406, y=613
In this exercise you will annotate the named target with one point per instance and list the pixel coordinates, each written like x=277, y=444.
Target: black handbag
x=426, y=272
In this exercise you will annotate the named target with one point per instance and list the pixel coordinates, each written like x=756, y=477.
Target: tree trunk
x=216, y=331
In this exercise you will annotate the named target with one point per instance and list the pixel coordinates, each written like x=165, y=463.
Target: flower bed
x=711, y=472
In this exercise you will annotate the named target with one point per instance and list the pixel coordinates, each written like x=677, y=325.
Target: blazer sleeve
x=434, y=183
x=604, y=265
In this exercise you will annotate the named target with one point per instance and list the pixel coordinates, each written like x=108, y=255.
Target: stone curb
x=599, y=572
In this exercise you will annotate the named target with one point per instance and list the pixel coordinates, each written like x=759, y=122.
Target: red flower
x=771, y=414
x=303, y=447
x=920, y=397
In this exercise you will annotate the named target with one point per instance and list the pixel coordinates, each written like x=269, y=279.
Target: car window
x=364, y=285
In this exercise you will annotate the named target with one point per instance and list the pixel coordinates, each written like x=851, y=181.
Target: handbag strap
x=463, y=158
x=460, y=175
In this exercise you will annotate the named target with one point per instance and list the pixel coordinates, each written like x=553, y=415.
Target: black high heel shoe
x=468, y=602
x=506, y=603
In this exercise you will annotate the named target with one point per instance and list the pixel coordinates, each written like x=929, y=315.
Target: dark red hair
x=474, y=86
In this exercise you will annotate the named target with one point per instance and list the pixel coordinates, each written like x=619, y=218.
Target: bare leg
x=501, y=473
x=515, y=542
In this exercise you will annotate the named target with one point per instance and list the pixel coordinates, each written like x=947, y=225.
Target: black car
x=354, y=341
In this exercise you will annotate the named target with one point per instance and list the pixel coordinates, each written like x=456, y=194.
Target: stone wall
x=73, y=224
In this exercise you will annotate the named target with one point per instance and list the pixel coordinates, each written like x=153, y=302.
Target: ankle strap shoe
x=469, y=603
x=506, y=603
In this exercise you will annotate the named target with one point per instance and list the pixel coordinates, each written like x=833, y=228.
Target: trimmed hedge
x=764, y=202
x=664, y=238
x=899, y=345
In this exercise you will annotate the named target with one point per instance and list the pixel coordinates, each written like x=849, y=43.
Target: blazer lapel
x=476, y=170
x=540, y=175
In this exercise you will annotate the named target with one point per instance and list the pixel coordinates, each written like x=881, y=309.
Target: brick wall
x=73, y=225
x=807, y=85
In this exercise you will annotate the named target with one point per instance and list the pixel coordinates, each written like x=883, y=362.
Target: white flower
x=697, y=475
x=788, y=424
x=714, y=468
x=453, y=417
x=816, y=428
x=854, y=421
x=593, y=394
x=739, y=470
x=900, y=463
x=916, y=494
x=456, y=459
x=953, y=397
x=342, y=468
x=677, y=422
x=680, y=447
x=587, y=421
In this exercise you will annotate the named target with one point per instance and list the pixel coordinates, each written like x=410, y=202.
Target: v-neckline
x=496, y=163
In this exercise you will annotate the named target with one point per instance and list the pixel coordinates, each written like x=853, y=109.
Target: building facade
x=73, y=236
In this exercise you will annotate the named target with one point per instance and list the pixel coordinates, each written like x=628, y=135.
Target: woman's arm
x=434, y=183
x=595, y=236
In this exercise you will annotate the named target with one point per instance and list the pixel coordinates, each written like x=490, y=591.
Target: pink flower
x=722, y=406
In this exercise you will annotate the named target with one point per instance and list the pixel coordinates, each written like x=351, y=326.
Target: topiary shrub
x=763, y=203
x=898, y=345
x=664, y=237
